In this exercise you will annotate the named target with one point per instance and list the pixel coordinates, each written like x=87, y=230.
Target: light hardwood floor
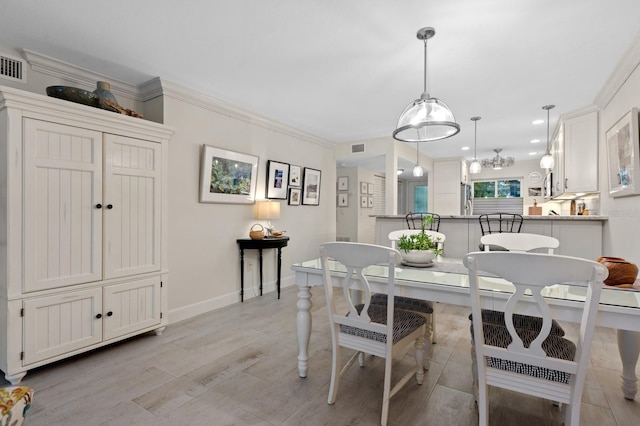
x=238, y=366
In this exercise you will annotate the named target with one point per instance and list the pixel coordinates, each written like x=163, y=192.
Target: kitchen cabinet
x=447, y=190
x=575, y=150
x=82, y=210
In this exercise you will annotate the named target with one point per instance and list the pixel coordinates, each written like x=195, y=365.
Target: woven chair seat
x=404, y=323
x=554, y=346
x=405, y=303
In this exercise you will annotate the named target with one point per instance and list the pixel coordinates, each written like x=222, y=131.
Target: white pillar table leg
x=304, y=328
x=629, y=347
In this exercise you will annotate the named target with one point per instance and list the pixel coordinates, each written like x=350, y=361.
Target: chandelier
x=498, y=162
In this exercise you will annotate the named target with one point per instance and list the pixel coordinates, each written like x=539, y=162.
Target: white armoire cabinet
x=83, y=236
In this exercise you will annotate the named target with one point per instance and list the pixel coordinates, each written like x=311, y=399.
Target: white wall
x=621, y=231
x=204, y=258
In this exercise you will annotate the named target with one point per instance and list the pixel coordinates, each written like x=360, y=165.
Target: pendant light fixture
x=547, y=162
x=426, y=119
x=475, y=167
x=417, y=170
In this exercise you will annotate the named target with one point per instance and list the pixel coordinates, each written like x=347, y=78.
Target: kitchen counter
x=579, y=236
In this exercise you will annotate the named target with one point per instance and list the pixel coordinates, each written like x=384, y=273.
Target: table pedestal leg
x=242, y=275
x=304, y=328
x=629, y=347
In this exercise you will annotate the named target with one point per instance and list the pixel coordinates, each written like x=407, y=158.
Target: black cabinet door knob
x=98, y=316
x=98, y=206
x=109, y=206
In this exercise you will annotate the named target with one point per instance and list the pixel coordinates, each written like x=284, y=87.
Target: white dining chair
x=520, y=241
x=373, y=329
x=534, y=363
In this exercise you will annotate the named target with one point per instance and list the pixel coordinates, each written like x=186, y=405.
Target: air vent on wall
x=12, y=68
x=357, y=148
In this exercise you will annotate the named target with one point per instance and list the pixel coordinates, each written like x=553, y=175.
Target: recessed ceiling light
x=533, y=153
x=535, y=141
x=465, y=148
x=537, y=122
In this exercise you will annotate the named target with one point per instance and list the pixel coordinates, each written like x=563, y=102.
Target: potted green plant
x=421, y=247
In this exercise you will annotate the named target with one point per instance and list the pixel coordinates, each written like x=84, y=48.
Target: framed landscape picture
x=311, y=187
x=227, y=176
x=277, y=180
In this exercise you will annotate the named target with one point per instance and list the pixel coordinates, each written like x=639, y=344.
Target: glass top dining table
x=446, y=281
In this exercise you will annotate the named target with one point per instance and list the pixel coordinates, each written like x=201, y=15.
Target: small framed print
x=294, y=196
x=370, y=202
x=364, y=201
x=311, y=187
x=277, y=180
x=343, y=183
x=363, y=187
x=295, y=176
x=370, y=188
x=343, y=200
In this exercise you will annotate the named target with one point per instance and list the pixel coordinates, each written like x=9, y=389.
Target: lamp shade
x=267, y=210
x=418, y=171
x=426, y=119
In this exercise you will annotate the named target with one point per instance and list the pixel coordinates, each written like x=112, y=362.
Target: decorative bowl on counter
x=418, y=257
x=621, y=272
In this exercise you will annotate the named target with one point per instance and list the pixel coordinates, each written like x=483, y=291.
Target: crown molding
x=160, y=87
x=64, y=70
x=627, y=65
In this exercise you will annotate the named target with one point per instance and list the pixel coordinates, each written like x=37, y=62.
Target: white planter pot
x=418, y=256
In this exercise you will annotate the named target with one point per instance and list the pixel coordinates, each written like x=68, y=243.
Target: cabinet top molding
x=35, y=105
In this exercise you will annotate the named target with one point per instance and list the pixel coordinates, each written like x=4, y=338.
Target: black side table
x=266, y=243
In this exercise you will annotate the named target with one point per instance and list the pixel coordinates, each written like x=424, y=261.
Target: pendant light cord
x=475, y=139
x=417, y=152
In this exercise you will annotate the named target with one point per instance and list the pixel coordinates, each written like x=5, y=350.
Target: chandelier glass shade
x=547, y=161
x=475, y=167
x=426, y=119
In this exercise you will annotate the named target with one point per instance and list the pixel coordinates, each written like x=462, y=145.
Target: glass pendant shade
x=546, y=162
x=418, y=171
x=426, y=119
x=475, y=167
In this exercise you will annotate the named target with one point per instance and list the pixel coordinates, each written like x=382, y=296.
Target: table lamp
x=267, y=210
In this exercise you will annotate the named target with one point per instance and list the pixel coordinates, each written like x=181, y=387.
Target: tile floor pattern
x=238, y=366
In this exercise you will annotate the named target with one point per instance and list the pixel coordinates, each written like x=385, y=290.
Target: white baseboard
x=190, y=311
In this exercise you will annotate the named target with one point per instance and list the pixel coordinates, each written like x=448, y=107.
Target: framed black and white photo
x=295, y=176
x=277, y=180
x=343, y=183
x=622, y=156
x=363, y=187
x=370, y=188
x=343, y=200
x=370, y=202
x=311, y=187
x=294, y=196
x=227, y=176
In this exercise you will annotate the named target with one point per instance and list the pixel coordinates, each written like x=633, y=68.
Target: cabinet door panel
x=132, y=188
x=131, y=306
x=63, y=229
x=59, y=324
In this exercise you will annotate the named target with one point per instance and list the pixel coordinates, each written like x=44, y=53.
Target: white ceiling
x=344, y=70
